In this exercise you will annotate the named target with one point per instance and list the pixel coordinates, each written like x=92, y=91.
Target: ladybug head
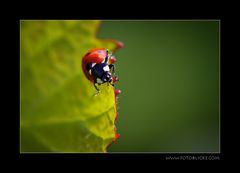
x=101, y=73
x=107, y=77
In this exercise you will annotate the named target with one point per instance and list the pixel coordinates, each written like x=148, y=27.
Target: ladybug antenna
x=107, y=56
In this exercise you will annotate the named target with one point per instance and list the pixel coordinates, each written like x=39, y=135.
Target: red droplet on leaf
x=117, y=135
x=112, y=60
x=115, y=79
x=117, y=92
x=120, y=44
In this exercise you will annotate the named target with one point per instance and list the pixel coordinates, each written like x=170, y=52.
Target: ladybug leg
x=98, y=91
x=112, y=68
x=110, y=58
x=96, y=87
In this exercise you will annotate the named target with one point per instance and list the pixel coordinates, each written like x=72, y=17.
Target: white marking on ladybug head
x=99, y=81
x=106, y=68
x=93, y=64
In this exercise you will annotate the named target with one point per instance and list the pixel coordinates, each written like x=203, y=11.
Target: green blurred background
x=169, y=77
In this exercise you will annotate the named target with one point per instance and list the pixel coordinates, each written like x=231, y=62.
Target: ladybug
x=98, y=67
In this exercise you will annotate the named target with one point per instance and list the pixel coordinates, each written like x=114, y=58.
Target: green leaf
x=59, y=112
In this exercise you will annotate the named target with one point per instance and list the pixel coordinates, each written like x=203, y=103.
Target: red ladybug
x=98, y=67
